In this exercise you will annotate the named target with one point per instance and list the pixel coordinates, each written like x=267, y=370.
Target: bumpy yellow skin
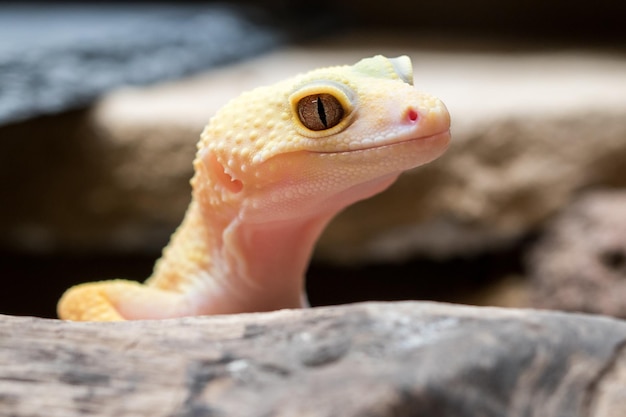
x=265, y=186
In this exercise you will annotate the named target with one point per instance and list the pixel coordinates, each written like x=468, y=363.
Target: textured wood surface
x=375, y=359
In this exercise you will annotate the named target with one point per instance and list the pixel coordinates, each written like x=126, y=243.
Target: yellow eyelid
x=346, y=98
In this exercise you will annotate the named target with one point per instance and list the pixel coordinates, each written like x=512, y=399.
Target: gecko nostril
x=412, y=114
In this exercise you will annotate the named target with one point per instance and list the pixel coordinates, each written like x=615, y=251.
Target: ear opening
x=220, y=175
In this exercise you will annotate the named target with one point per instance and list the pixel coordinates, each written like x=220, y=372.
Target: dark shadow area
x=34, y=283
x=456, y=280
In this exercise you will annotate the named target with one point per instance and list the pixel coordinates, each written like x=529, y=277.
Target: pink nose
x=412, y=115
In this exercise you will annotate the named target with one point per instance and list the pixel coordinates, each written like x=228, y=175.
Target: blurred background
x=101, y=106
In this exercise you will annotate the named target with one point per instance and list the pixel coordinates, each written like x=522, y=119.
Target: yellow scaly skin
x=273, y=167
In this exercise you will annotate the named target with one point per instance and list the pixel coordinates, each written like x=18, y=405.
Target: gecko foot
x=118, y=300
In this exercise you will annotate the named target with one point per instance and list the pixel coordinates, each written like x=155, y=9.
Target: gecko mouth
x=425, y=140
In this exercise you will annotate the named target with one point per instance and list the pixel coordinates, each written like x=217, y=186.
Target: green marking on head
x=382, y=67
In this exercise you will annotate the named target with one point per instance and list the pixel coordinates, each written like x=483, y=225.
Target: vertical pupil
x=321, y=112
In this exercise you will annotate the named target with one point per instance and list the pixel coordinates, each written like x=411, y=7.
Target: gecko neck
x=265, y=262
x=277, y=255
x=237, y=267
x=228, y=265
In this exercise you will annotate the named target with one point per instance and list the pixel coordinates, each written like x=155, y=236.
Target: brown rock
x=529, y=130
x=394, y=359
x=67, y=184
x=580, y=263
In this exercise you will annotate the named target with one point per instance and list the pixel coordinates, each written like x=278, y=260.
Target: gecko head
x=318, y=142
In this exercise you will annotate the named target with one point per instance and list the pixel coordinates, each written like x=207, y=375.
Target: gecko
x=273, y=167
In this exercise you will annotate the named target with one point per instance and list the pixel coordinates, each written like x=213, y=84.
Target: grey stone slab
x=62, y=56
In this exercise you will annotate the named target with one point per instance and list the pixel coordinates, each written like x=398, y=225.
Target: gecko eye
x=320, y=111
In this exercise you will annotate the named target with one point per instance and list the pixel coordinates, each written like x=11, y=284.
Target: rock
x=530, y=129
x=394, y=359
x=64, y=56
x=580, y=262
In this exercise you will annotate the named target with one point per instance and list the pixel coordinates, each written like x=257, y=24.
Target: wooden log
x=371, y=359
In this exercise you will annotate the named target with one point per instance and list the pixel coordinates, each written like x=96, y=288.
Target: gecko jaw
x=445, y=134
